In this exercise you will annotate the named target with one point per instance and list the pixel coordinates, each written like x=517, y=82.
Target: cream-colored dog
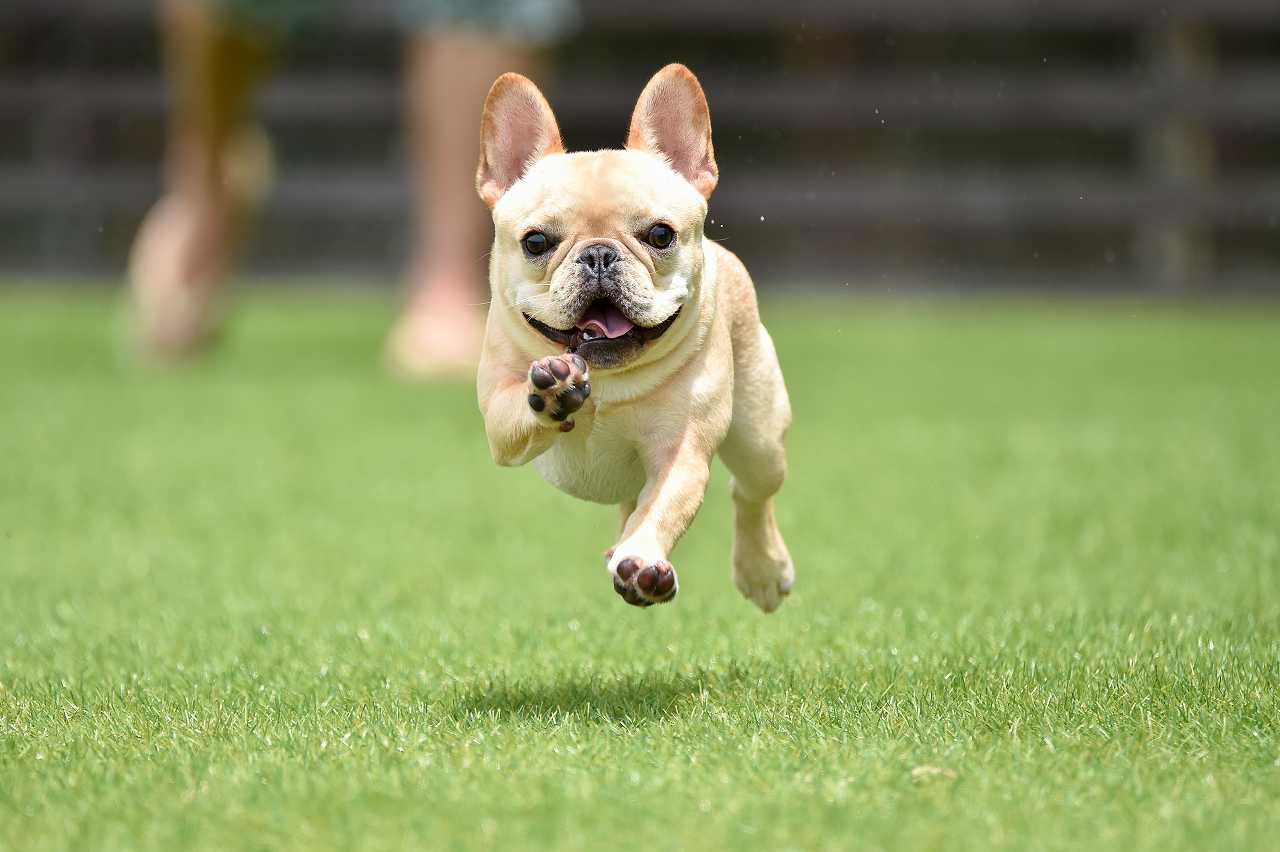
x=623, y=348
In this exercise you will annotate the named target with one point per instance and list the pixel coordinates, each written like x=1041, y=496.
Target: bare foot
x=434, y=338
x=183, y=249
x=173, y=276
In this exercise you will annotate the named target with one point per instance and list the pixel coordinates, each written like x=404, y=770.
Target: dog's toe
x=656, y=580
x=629, y=593
x=642, y=583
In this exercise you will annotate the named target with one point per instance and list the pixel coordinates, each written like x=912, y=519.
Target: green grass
x=279, y=600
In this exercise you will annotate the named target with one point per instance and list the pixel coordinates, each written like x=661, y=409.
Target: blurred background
x=281, y=595
x=875, y=145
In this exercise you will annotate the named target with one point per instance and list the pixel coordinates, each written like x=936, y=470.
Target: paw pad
x=645, y=584
x=558, y=387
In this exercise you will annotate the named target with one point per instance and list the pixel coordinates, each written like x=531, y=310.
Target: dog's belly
x=593, y=465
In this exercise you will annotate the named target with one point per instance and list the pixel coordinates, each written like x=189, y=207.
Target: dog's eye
x=535, y=242
x=660, y=236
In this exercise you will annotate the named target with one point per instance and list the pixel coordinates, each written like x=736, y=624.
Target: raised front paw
x=641, y=582
x=558, y=386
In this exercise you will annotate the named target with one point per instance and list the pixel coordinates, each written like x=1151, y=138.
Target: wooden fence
x=876, y=144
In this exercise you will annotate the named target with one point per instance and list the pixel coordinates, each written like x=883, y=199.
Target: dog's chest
x=597, y=461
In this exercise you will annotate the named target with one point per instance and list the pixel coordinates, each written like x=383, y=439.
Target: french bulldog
x=623, y=348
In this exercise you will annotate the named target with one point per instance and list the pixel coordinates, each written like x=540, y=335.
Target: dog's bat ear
x=517, y=129
x=672, y=120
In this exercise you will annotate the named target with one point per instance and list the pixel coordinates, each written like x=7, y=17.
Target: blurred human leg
x=459, y=48
x=216, y=169
x=449, y=75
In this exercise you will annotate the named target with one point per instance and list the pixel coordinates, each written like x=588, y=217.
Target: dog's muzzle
x=604, y=336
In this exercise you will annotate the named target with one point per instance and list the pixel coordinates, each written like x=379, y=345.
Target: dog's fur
x=641, y=428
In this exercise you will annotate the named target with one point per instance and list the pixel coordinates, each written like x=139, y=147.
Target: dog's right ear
x=517, y=129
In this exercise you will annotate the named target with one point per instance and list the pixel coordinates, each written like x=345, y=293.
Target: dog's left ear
x=672, y=120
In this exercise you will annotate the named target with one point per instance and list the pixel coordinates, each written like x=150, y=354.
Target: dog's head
x=598, y=251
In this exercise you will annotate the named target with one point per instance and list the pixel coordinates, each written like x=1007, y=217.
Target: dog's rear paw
x=644, y=583
x=765, y=583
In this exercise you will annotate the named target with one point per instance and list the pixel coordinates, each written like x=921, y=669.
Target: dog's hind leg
x=625, y=510
x=753, y=451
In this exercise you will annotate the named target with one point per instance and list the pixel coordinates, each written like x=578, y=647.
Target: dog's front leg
x=676, y=480
x=523, y=416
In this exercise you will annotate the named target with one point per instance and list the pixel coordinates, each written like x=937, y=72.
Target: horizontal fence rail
x=916, y=137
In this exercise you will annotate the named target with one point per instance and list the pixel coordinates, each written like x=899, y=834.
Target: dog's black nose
x=598, y=258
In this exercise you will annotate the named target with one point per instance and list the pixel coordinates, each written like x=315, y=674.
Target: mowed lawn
x=282, y=600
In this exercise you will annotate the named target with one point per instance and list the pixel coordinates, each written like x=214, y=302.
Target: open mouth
x=603, y=335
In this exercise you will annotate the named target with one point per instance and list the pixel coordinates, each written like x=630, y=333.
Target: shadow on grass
x=617, y=698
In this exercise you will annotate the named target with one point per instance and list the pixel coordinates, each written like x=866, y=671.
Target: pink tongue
x=603, y=317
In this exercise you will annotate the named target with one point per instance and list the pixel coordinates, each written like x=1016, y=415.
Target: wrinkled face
x=599, y=251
